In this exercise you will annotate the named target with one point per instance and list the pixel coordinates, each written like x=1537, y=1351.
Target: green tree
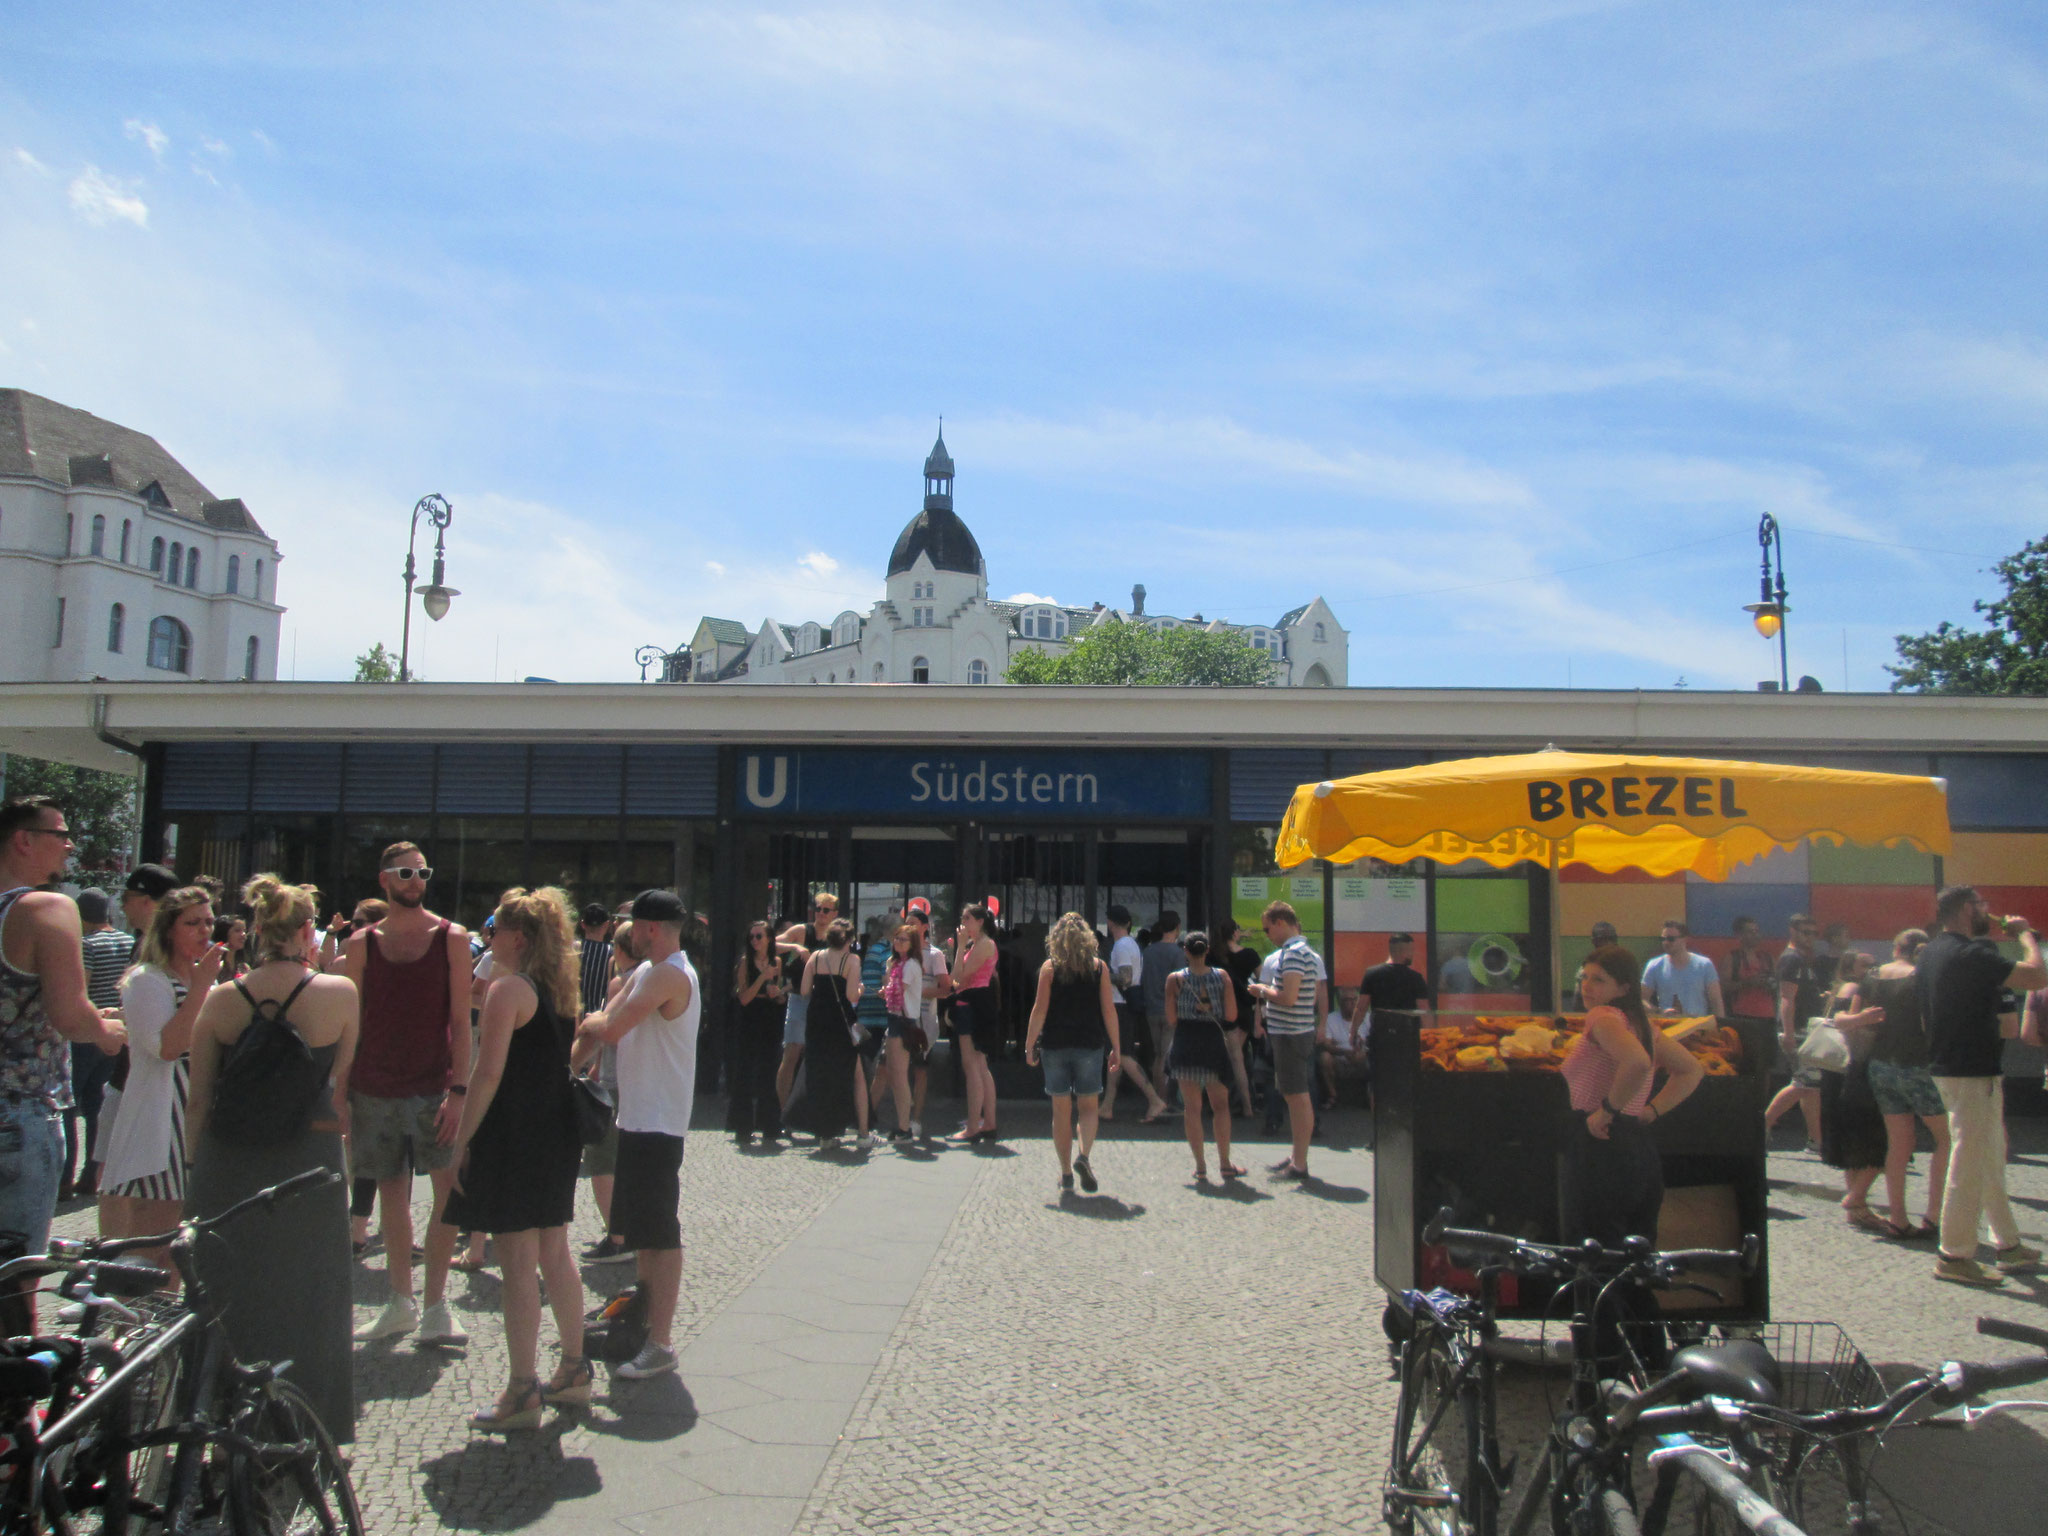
x=2009, y=655
x=99, y=806
x=1114, y=651
x=377, y=665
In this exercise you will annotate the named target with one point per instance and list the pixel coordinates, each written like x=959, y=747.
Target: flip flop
x=1898, y=1232
x=1864, y=1218
x=1231, y=1171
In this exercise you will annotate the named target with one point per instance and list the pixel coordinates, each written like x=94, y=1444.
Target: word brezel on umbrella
x=1650, y=795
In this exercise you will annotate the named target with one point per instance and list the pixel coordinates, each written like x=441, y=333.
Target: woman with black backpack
x=270, y=1060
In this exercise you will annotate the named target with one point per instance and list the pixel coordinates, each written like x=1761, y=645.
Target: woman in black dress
x=831, y=1061
x=518, y=1150
x=1852, y=1136
x=752, y=1105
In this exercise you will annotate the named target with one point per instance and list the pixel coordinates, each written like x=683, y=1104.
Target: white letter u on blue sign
x=779, y=788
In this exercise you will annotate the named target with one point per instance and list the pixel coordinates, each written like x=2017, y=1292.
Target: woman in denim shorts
x=1903, y=1086
x=1073, y=1022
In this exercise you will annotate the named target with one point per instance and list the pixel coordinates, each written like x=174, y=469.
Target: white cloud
x=148, y=134
x=819, y=563
x=1031, y=597
x=714, y=567
x=214, y=147
x=100, y=199
x=31, y=162
x=264, y=139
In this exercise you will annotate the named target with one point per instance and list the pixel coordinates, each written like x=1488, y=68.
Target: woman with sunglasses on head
x=753, y=1107
x=977, y=1023
x=176, y=965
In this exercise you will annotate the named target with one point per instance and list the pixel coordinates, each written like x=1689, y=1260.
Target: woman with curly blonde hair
x=517, y=1151
x=1073, y=1021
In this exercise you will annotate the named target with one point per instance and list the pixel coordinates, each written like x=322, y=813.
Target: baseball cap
x=658, y=907
x=152, y=880
x=92, y=905
x=595, y=913
x=919, y=906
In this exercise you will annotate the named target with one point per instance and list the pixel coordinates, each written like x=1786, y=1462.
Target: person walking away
x=593, y=958
x=1852, y=1136
x=107, y=953
x=1679, y=981
x=1800, y=995
x=270, y=1064
x=1200, y=1001
x=976, y=1027
x=517, y=1150
x=1289, y=1025
x=902, y=997
x=833, y=1095
x=413, y=973
x=44, y=1009
x=1961, y=975
x=653, y=1022
x=1241, y=963
x=1127, y=976
x=175, y=968
x=1394, y=988
x=753, y=1102
x=1902, y=1085
x=1162, y=957
x=601, y=1159
x=1074, y=1021
x=797, y=943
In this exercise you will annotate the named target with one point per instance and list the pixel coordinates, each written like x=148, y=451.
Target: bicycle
x=244, y=1444
x=1446, y=1467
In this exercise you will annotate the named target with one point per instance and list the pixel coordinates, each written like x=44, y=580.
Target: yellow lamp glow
x=1769, y=618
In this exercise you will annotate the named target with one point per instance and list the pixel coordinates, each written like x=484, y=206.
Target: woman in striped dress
x=176, y=965
x=1200, y=1004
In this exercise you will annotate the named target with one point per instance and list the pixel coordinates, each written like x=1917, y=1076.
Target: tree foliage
x=99, y=806
x=2009, y=655
x=1117, y=652
x=377, y=665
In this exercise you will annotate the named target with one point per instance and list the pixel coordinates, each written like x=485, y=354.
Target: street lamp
x=434, y=597
x=1770, y=609
x=647, y=655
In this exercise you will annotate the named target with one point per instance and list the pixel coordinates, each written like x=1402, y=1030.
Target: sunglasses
x=1670, y=938
x=406, y=872
x=63, y=832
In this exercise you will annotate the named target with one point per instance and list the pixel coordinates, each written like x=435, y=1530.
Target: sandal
x=575, y=1392
x=470, y=1266
x=1863, y=1217
x=1898, y=1231
x=1231, y=1171
x=1155, y=1116
x=526, y=1393
x=1927, y=1231
x=1201, y=1174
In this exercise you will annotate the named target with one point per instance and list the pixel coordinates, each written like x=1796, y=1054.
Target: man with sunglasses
x=1679, y=981
x=43, y=1004
x=412, y=971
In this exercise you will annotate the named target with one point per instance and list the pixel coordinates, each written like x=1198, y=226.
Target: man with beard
x=43, y=1004
x=1961, y=976
x=412, y=970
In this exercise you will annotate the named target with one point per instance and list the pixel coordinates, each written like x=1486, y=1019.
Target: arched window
x=127, y=528
x=99, y=533
x=249, y=655
x=256, y=591
x=170, y=645
x=920, y=670
x=191, y=567
x=1319, y=634
x=234, y=573
x=117, y=620
x=1316, y=678
x=175, y=572
x=977, y=671
x=156, y=556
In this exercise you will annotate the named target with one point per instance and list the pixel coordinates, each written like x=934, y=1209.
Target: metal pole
x=435, y=505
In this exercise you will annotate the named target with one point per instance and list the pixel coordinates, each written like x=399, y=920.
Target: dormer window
x=1319, y=634
x=1044, y=624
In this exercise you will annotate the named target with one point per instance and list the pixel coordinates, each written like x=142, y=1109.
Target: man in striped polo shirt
x=1289, y=1024
x=595, y=956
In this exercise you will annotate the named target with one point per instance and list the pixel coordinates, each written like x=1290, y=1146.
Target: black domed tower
x=937, y=532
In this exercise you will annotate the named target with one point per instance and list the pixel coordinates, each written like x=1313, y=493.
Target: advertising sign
x=974, y=784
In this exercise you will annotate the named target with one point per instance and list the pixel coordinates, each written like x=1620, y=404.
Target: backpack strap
x=279, y=1009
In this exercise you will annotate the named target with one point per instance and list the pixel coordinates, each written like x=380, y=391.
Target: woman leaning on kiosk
x=1613, y=1179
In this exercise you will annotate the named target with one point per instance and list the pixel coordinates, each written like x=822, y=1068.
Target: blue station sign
x=974, y=785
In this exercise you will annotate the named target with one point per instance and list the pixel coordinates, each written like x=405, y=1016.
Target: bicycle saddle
x=1741, y=1369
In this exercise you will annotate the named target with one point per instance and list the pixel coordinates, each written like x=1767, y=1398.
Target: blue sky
x=1496, y=324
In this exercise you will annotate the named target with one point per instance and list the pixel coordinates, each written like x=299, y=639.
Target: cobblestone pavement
x=1160, y=1357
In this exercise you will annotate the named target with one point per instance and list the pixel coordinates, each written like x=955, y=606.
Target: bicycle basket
x=1819, y=1366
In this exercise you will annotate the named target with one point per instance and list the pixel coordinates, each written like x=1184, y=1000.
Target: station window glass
x=1486, y=956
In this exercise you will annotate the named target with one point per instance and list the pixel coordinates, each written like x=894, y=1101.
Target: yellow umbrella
x=1611, y=811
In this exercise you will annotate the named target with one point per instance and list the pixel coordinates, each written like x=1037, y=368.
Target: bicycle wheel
x=101, y=1485
x=1434, y=1479
x=294, y=1484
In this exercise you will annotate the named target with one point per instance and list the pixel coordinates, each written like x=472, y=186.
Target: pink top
x=981, y=977
x=1589, y=1070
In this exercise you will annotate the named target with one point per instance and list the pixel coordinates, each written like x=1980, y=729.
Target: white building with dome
x=936, y=622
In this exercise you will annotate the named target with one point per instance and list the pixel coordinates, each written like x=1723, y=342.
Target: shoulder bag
x=1825, y=1047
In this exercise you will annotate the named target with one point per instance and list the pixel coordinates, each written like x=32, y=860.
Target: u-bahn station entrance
x=747, y=800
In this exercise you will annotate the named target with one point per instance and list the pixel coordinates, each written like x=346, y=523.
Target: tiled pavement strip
x=941, y=1344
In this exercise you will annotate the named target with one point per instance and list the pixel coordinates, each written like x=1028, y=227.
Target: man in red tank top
x=412, y=971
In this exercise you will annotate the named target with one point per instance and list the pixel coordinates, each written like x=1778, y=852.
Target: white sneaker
x=401, y=1314
x=653, y=1360
x=917, y=1130
x=828, y=1143
x=870, y=1140
x=438, y=1326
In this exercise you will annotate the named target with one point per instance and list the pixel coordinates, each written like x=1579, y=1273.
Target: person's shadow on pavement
x=1100, y=1207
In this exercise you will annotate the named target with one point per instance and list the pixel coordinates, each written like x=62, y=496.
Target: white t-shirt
x=1301, y=1019
x=658, y=1064
x=1337, y=1029
x=928, y=1000
x=1126, y=963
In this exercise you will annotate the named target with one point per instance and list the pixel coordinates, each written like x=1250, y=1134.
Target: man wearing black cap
x=148, y=885
x=595, y=955
x=653, y=1024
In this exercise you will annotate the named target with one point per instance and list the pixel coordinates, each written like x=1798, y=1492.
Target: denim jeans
x=31, y=1163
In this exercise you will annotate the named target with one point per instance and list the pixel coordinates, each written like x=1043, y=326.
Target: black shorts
x=647, y=1190
x=977, y=1018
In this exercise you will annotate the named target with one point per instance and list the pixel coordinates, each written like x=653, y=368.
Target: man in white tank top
x=654, y=1025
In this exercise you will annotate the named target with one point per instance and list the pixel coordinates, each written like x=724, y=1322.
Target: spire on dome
x=938, y=474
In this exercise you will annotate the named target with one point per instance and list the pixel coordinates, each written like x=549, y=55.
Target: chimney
x=1138, y=600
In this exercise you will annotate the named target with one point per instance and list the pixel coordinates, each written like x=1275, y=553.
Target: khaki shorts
x=602, y=1160
x=1294, y=1062
x=391, y=1137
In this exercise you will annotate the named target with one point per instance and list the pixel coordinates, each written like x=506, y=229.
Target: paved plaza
x=938, y=1342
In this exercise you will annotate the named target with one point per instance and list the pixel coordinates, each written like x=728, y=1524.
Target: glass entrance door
x=893, y=864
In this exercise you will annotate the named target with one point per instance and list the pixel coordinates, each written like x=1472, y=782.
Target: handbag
x=1825, y=1047
x=593, y=1109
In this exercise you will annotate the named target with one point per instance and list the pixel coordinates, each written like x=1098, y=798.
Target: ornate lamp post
x=1770, y=609
x=435, y=596
x=647, y=655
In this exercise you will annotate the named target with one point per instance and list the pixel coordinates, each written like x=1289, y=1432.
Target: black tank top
x=1073, y=1014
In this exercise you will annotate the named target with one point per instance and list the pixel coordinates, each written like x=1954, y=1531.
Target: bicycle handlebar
x=297, y=1184
x=1527, y=1257
x=2016, y=1333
